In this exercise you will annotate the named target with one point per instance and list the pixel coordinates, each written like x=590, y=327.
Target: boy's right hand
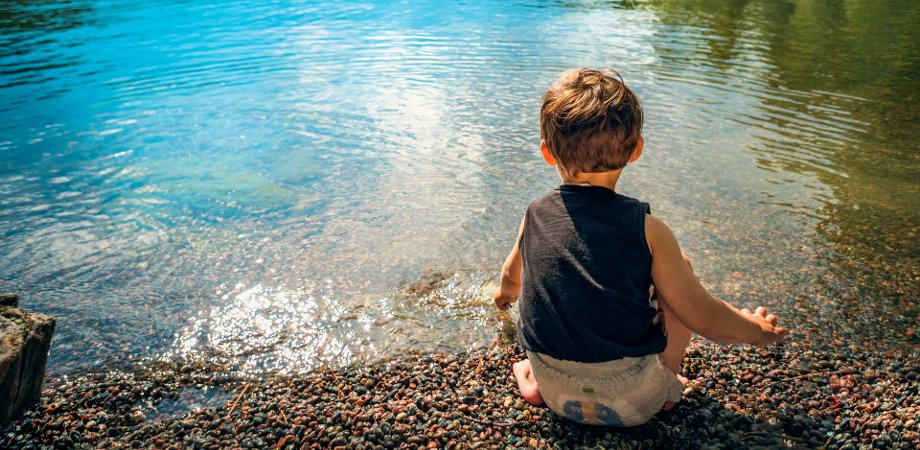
x=505, y=297
x=769, y=332
x=509, y=282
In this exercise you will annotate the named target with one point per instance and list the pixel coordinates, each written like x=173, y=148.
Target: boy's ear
x=547, y=156
x=638, y=150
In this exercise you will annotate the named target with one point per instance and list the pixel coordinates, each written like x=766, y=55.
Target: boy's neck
x=601, y=179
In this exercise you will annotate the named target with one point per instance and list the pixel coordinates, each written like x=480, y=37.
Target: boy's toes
x=533, y=397
x=526, y=382
x=683, y=380
x=521, y=367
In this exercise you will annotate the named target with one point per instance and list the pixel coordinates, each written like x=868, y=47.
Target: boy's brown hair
x=590, y=121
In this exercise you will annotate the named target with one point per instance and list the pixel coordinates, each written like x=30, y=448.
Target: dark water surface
x=278, y=185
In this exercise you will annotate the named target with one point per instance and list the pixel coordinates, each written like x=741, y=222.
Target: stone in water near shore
x=25, y=339
x=9, y=299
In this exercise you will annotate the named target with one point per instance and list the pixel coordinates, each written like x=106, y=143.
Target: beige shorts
x=621, y=393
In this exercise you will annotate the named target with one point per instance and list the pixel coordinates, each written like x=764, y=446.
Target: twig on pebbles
x=846, y=371
x=487, y=423
x=238, y=398
x=283, y=416
x=803, y=376
x=780, y=435
x=335, y=376
x=281, y=442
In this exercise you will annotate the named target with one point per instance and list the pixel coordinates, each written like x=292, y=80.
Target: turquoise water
x=279, y=185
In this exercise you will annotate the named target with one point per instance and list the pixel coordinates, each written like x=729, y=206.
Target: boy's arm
x=704, y=314
x=510, y=282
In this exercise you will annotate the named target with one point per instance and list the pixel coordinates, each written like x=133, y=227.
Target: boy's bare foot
x=526, y=383
x=669, y=405
x=683, y=380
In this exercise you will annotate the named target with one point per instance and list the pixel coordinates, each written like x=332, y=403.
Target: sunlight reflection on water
x=258, y=329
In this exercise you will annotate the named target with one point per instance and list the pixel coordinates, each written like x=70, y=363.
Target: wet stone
x=471, y=411
x=25, y=340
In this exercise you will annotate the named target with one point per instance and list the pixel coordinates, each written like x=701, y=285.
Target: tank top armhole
x=644, y=210
x=520, y=239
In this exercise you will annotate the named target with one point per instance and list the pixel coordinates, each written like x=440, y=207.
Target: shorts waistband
x=624, y=372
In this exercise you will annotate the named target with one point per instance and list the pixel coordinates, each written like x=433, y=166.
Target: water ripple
x=265, y=180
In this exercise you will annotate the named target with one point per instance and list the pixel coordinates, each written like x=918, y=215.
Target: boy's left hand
x=769, y=331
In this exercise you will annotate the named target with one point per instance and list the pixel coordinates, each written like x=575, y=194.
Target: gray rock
x=25, y=340
x=9, y=299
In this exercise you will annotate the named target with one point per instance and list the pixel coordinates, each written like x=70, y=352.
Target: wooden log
x=25, y=340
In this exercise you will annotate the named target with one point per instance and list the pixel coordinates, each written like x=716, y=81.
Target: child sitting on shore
x=608, y=300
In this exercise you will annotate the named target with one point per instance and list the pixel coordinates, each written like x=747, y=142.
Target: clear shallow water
x=304, y=183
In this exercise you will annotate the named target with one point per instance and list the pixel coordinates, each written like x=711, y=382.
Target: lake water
x=283, y=185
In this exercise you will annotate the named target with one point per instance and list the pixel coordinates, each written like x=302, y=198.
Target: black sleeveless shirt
x=586, y=277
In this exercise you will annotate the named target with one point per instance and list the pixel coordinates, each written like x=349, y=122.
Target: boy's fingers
x=761, y=311
x=772, y=319
x=745, y=310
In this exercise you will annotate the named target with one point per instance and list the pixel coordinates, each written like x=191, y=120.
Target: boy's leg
x=526, y=382
x=678, y=339
x=677, y=333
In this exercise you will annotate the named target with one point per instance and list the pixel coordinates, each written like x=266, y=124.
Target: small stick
x=784, y=436
x=848, y=371
x=799, y=377
x=283, y=416
x=331, y=371
x=322, y=351
x=238, y=398
x=486, y=422
x=281, y=442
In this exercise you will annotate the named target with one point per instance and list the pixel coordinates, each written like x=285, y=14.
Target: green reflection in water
x=839, y=90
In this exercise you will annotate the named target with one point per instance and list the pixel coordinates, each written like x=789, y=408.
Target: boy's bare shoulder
x=657, y=233
x=654, y=225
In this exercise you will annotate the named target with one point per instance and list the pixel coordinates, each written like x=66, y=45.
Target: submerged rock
x=9, y=299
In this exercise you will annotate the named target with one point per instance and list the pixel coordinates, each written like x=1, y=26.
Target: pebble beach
x=278, y=225
x=738, y=397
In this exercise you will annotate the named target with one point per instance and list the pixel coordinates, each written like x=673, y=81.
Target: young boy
x=608, y=300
